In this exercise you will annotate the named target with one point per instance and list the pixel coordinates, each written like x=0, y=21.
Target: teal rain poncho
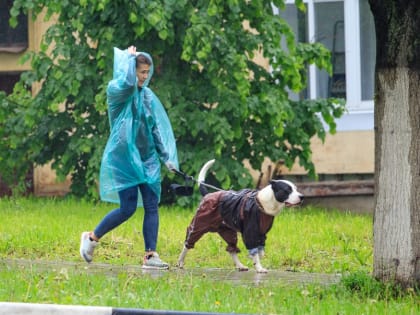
x=141, y=133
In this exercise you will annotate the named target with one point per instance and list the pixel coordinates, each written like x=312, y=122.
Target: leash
x=187, y=190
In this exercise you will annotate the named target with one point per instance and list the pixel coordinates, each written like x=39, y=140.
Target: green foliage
x=222, y=104
x=364, y=285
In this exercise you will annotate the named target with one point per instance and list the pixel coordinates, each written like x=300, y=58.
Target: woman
x=141, y=139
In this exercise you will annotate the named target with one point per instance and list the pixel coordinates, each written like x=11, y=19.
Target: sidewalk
x=216, y=274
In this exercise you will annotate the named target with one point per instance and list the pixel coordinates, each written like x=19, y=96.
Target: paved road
x=229, y=275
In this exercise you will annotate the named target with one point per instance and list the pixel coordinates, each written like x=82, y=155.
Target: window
x=367, y=51
x=8, y=81
x=329, y=30
x=12, y=39
x=299, y=23
x=346, y=28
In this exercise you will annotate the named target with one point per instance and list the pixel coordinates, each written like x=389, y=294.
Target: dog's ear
x=281, y=190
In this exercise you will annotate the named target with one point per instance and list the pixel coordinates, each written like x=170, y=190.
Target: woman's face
x=142, y=72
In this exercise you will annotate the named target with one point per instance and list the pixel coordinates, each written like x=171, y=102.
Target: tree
x=397, y=141
x=221, y=102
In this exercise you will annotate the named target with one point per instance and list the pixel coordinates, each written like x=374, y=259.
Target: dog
x=248, y=211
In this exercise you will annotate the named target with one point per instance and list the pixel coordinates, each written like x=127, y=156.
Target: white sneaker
x=154, y=262
x=87, y=247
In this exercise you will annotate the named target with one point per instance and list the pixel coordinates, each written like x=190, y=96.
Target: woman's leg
x=150, y=229
x=128, y=205
x=151, y=217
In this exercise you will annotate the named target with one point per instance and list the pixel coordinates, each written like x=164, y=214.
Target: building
x=345, y=162
x=14, y=42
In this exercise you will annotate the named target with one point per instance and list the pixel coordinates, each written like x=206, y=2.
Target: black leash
x=187, y=189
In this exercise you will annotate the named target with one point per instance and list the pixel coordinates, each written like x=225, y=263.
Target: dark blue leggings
x=128, y=205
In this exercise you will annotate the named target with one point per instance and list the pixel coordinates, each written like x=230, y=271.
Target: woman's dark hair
x=142, y=59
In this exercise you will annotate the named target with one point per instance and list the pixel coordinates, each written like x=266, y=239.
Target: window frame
x=354, y=102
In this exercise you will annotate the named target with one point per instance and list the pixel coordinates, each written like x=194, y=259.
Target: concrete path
x=215, y=274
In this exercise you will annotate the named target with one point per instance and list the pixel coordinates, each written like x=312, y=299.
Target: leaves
x=223, y=104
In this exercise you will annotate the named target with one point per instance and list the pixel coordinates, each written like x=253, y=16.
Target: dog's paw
x=240, y=267
x=261, y=270
x=179, y=265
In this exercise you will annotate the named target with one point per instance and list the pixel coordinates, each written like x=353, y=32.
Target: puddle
x=215, y=274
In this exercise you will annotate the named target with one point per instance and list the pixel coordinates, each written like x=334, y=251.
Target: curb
x=7, y=308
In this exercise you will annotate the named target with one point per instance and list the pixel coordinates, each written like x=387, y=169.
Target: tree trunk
x=397, y=141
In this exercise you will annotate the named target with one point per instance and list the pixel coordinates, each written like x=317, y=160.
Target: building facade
x=14, y=43
x=345, y=162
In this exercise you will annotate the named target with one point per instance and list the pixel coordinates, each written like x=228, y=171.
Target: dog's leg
x=261, y=252
x=257, y=263
x=231, y=238
x=180, y=263
x=238, y=264
x=255, y=256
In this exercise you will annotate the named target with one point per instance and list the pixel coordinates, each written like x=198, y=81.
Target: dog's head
x=286, y=192
x=278, y=194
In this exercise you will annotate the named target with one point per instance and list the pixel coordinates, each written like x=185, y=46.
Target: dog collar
x=257, y=201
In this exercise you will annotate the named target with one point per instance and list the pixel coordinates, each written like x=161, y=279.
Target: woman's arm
x=124, y=77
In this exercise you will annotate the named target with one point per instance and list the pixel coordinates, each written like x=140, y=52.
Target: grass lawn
x=302, y=240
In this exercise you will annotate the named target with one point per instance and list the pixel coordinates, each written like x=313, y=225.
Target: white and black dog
x=248, y=211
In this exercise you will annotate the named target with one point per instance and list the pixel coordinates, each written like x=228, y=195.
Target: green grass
x=302, y=239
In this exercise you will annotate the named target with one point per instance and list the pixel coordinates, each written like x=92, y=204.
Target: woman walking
x=141, y=139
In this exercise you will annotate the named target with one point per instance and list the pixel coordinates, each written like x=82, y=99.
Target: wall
x=345, y=164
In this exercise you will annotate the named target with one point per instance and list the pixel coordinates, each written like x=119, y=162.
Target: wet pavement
x=216, y=274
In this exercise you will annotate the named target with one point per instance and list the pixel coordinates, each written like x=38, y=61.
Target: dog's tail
x=202, y=177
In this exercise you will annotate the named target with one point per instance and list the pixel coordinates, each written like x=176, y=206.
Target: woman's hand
x=170, y=167
x=131, y=50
